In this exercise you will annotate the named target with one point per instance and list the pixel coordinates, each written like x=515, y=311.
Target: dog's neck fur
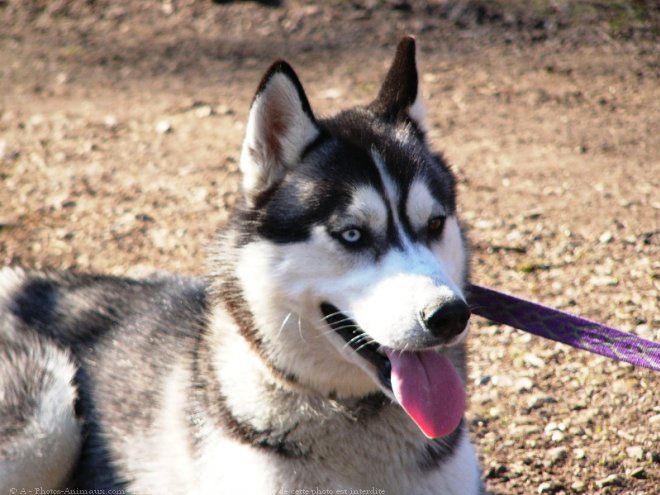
x=300, y=426
x=240, y=390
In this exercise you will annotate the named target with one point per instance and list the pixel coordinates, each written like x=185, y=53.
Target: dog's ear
x=281, y=124
x=399, y=98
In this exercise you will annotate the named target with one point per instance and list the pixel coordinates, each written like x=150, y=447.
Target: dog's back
x=120, y=338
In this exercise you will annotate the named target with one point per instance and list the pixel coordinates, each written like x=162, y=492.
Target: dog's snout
x=447, y=319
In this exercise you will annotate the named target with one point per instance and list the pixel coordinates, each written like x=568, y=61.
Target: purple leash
x=563, y=327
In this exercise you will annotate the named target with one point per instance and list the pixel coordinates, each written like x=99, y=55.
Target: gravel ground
x=120, y=129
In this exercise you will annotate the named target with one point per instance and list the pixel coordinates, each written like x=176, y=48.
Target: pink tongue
x=428, y=387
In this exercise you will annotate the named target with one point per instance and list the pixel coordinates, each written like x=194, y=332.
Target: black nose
x=447, y=319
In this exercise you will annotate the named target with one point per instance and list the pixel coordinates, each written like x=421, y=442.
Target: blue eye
x=352, y=235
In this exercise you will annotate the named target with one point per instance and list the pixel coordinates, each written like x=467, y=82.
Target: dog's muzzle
x=424, y=381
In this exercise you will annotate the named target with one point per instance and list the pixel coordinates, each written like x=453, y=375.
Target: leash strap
x=563, y=327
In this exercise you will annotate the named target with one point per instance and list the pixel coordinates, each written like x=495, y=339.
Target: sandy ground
x=120, y=131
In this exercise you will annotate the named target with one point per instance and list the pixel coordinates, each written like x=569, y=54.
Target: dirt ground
x=120, y=130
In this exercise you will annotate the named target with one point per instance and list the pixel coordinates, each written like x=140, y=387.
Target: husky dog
x=322, y=354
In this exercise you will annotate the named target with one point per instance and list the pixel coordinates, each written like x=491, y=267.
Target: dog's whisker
x=286, y=319
x=300, y=332
x=369, y=342
x=336, y=313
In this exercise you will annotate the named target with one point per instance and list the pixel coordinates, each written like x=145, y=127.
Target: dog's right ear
x=281, y=124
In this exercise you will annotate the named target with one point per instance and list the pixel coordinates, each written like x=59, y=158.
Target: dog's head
x=352, y=261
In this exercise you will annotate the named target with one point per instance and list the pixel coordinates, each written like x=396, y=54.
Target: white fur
x=417, y=111
x=30, y=462
x=288, y=276
x=171, y=472
x=451, y=251
x=368, y=208
x=459, y=475
x=11, y=280
x=391, y=189
x=421, y=206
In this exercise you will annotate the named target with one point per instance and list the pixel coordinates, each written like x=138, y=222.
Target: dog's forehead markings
x=368, y=206
x=421, y=205
x=390, y=187
x=392, y=194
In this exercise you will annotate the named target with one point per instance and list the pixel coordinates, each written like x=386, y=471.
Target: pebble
x=483, y=380
x=163, y=127
x=635, y=452
x=604, y=281
x=579, y=453
x=538, y=401
x=557, y=436
x=578, y=487
x=611, y=480
x=534, y=361
x=547, y=487
x=606, y=237
x=330, y=94
x=558, y=454
x=523, y=384
x=203, y=111
x=552, y=427
x=639, y=473
x=110, y=122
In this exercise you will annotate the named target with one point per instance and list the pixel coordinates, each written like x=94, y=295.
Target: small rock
x=163, y=127
x=544, y=487
x=533, y=360
x=203, y=111
x=494, y=412
x=625, y=435
x=557, y=436
x=552, y=426
x=578, y=487
x=579, y=453
x=61, y=78
x=538, y=401
x=655, y=419
x=635, y=452
x=547, y=487
x=611, y=480
x=606, y=237
x=639, y=473
x=558, y=454
x=502, y=381
x=330, y=94
x=604, y=281
x=8, y=223
x=6, y=153
x=110, y=122
x=523, y=384
x=167, y=8
x=223, y=110
x=483, y=380
x=496, y=471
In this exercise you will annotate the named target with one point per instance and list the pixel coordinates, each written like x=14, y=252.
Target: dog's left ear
x=280, y=125
x=399, y=98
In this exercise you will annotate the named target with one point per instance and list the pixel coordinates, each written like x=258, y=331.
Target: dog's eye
x=436, y=225
x=352, y=235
